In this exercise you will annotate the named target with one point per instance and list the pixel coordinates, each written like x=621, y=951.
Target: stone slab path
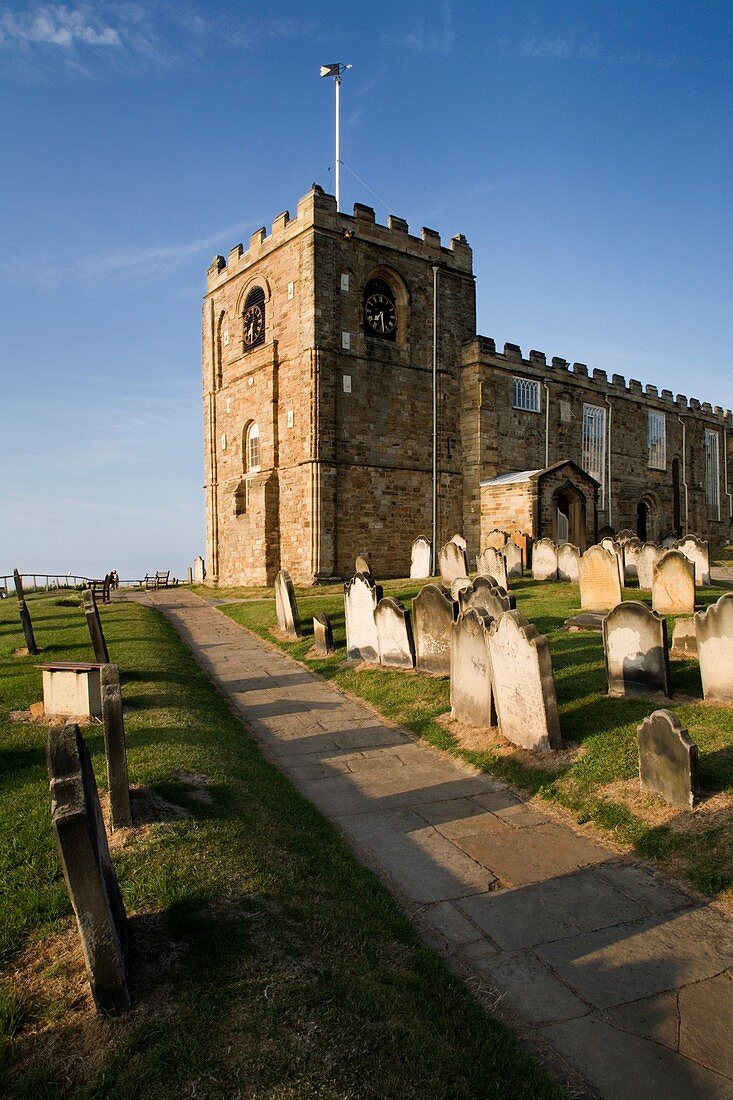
x=603, y=966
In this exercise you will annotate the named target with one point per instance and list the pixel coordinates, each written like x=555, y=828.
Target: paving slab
x=619, y=972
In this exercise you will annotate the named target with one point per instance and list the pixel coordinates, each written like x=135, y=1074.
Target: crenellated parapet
x=537, y=366
x=318, y=209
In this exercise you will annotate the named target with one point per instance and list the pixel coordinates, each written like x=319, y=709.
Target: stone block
x=635, y=650
x=72, y=689
x=667, y=759
x=524, y=685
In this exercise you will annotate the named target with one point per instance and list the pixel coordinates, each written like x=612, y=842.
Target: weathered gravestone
x=90, y=877
x=632, y=549
x=432, y=618
x=94, y=623
x=568, y=557
x=635, y=650
x=114, y=747
x=614, y=548
x=361, y=596
x=199, y=572
x=453, y=563
x=624, y=535
x=668, y=759
x=696, y=551
x=497, y=539
x=459, y=541
x=714, y=631
x=189, y=575
x=513, y=559
x=394, y=634
x=460, y=584
x=490, y=563
x=361, y=565
x=286, y=606
x=420, y=563
x=600, y=585
x=486, y=595
x=646, y=558
x=684, y=638
x=669, y=541
x=524, y=687
x=471, y=696
x=323, y=634
x=673, y=585
x=524, y=542
x=544, y=560
x=25, y=616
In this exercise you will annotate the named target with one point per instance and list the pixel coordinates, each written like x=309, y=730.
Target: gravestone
x=420, y=563
x=544, y=560
x=25, y=616
x=94, y=623
x=199, y=572
x=624, y=535
x=669, y=541
x=614, y=548
x=684, y=638
x=646, y=558
x=460, y=584
x=471, y=696
x=635, y=651
x=490, y=563
x=524, y=687
x=632, y=549
x=673, y=585
x=453, y=563
x=524, y=542
x=513, y=560
x=114, y=747
x=714, y=633
x=286, y=606
x=323, y=634
x=668, y=759
x=362, y=564
x=432, y=618
x=88, y=871
x=107, y=588
x=486, y=595
x=568, y=557
x=600, y=585
x=361, y=596
x=696, y=551
x=459, y=541
x=189, y=574
x=497, y=539
x=394, y=634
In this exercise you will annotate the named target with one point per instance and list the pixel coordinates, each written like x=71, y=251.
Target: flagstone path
x=601, y=965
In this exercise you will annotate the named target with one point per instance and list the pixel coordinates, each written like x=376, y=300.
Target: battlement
x=536, y=365
x=318, y=209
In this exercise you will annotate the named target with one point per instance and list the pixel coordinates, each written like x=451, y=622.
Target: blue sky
x=583, y=148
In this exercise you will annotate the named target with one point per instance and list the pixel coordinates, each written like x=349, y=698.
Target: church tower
x=318, y=394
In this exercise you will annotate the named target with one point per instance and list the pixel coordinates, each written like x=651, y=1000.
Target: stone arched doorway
x=647, y=519
x=568, y=516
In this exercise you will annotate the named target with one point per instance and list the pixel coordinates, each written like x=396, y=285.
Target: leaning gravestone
x=673, y=585
x=361, y=596
x=432, y=618
x=459, y=541
x=544, y=560
x=486, y=595
x=286, y=606
x=490, y=563
x=635, y=650
x=453, y=563
x=513, y=559
x=420, y=563
x=646, y=558
x=471, y=696
x=199, y=571
x=668, y=759
x=323, y=634
x=524, y=687
x=497, y=539
x=114, y=747
x=696, y=551
x=568, y=557
x=361, y=565
x=598, y=576
x=85, y=860
x=632, y=549
x=25, y=616
x=94, y=622
x=394, y=634
x=714, y=631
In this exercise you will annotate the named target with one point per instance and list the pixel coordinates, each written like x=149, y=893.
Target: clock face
x=253, y=322
x=380, y=314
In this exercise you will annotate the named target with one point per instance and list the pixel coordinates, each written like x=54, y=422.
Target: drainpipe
x=725, y=474
x=684, y=470
x=435, y=419
x=609, y=508
x=547, y=424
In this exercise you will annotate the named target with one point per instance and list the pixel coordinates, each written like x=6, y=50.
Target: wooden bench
x=159, y=580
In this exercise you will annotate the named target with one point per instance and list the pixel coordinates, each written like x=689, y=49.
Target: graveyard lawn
x=265, y=960
x=596, y=779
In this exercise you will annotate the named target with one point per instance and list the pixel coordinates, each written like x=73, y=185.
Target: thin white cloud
x=566, y=48
x=57, y=25
x=433, y=36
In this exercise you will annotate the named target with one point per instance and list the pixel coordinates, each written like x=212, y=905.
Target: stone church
x=321, y=343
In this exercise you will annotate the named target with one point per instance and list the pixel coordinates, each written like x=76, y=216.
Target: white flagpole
x=338, y=141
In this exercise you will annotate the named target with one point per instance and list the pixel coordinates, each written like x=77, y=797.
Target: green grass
x=604, y=728
x=266, y=961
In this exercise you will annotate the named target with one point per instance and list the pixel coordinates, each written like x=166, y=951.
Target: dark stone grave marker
x=667, y=759
x=25, y=616
x=101, y=654
x=323, y=634
x=114, y=747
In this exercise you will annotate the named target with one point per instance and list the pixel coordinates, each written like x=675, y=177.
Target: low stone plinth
x=72, y=688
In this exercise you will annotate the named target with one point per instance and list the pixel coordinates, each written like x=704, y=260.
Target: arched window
x=251, y=449
x=253, y=318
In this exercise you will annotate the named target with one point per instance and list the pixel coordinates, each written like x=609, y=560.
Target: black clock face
x=380, y=314
x=253, y=322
